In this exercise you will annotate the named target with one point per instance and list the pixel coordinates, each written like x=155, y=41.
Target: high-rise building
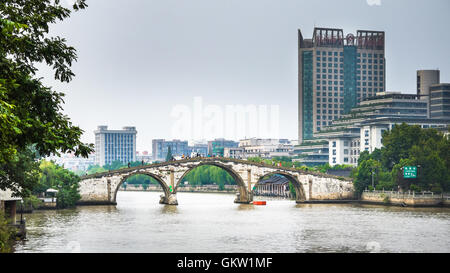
x=425, y=79
x=440, y=101
x=335, y=73
x=160, y=148
x=115, y=145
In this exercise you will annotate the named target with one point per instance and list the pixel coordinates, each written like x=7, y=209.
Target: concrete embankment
x=412, y=199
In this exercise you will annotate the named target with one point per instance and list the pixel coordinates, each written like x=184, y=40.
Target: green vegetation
x=32, y=123
x=30, y=203
x=406, y=145
x=169, y=154
x=6, y=235
x=206, y=174
x=65, y=181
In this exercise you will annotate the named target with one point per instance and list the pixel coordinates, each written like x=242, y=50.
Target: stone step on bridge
x=101, y=188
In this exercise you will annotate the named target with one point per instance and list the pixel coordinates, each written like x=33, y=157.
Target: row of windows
x=330, y=88
x=369, y=84
x=369, y=72
x=381, y=61
x=368, y=66
x=335, y=65
x=335, y=76
x=369, y=78
x=335, y=53
x=329, y=117
x=324, y=123
x=331, y=82
x=330, y=100
x=368, y=89
x=329, y=112
x=330, y=59
x=330, y=106
x=341, y=94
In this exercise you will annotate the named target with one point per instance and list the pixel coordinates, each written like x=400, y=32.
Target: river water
x=204, y=222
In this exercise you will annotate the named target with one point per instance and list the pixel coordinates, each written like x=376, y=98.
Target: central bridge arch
x=243, y=193
x=159, y=179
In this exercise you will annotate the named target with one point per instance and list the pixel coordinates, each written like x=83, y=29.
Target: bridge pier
x=243, y=200
x=169, y=200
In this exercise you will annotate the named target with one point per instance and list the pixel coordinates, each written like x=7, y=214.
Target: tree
x=408, y=145
x=363, y=174
x=6, y=235
x=65, y=181
x=30, y=113
x=169, y=154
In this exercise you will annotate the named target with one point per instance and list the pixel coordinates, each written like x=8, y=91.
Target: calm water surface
x=213, y=223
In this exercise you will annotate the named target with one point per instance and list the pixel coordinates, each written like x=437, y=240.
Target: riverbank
x=405, y=199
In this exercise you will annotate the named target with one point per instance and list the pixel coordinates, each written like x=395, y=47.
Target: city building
x=145, y=157
x=201, y=149
x=311, y=153
x=425, y=79
x=160, y=148
x=335, y=73
x=216, y=147
x=256, y=147
x=72, y=162
x=115, y=145
x=362, y=128
x=440, y=100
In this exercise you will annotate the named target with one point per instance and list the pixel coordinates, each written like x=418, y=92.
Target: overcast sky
x=140, y=58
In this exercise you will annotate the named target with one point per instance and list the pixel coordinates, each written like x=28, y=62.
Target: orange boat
x=261, y=203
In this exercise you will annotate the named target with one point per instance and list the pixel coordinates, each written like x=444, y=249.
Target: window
x=334, y=143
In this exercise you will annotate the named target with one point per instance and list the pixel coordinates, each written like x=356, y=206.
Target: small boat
x=259, y=203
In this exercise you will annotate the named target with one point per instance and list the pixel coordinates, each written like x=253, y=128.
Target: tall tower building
x=425, y=79
x=335, y=73
x=115, y=145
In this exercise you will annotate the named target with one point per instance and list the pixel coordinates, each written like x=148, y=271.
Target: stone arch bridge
x=101, y=188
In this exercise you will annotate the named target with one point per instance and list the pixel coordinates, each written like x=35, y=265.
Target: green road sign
x=410, y=172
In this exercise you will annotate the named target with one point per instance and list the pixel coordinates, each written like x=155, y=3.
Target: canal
x=206, y=222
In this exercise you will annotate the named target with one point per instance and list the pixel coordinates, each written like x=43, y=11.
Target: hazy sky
x=140, y=58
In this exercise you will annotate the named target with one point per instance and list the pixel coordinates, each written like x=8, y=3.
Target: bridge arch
x=156, y=177
x=243, y=193
x=300, y=195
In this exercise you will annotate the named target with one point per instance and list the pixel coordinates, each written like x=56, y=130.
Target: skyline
x=249, y=60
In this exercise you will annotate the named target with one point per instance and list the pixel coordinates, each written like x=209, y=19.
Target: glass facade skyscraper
x=115, y=145
x=335, y=74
